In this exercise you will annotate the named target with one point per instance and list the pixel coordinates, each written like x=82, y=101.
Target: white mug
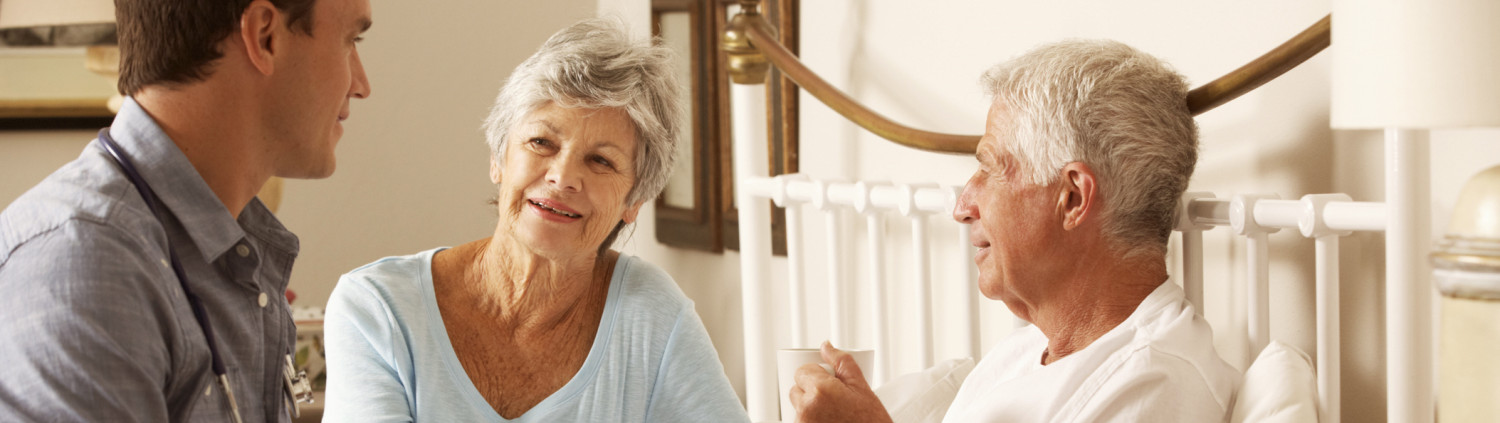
x=789, y=359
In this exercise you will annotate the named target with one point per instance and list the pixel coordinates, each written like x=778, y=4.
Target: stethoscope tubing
x=199, y=312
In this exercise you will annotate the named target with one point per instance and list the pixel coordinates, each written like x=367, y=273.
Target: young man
x=102, y=284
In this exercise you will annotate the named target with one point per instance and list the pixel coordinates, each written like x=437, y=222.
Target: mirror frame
x=711, y=225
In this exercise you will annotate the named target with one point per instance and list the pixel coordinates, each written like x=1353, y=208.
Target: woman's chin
x=553, y=244
x=548, y=239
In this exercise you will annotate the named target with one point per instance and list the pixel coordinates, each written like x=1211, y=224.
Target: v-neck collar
x=554, y=401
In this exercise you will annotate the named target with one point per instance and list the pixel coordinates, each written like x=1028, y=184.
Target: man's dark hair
x=176, y=41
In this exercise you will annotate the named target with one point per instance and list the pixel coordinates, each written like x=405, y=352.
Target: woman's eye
x=603, y=161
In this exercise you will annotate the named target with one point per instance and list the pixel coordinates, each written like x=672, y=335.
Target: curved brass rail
x=1263, y=69
x=1213, y=94
x=858, y=113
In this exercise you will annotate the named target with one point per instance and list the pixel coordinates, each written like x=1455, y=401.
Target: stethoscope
x=298, y=389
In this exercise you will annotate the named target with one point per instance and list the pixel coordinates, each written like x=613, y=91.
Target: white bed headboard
x=854, y=221
x=1322, y=218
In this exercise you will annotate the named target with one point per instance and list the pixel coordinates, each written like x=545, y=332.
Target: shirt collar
x=1164, y=295
x=175, y=182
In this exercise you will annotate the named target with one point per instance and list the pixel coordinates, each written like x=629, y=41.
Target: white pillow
x=1279, y=387
x=924, y=396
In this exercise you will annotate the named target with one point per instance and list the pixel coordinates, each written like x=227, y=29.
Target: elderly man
x=1087, y=147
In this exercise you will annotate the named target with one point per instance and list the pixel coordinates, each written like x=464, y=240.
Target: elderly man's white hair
x=1120, y=111
x=595, y=64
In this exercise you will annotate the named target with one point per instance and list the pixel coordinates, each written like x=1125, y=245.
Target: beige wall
x=413, y=168
x=28, y=156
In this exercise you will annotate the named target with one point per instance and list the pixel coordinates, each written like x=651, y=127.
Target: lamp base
x=1470, y=379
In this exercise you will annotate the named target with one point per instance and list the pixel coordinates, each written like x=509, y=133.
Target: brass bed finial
x=746, y=64
x=751, y=43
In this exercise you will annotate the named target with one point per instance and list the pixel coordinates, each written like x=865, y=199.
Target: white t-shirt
x=1159, y=365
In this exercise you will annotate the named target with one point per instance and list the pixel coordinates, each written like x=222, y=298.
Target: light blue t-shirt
x=390, y=359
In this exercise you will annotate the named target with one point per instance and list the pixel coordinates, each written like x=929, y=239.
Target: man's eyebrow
x=364, y=24
x=985, y=152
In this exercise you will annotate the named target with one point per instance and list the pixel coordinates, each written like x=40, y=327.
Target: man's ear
x=1078, y=194
x=258, y=25
x=632, y=212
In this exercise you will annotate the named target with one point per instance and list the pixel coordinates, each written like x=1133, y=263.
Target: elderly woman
x=541, y=321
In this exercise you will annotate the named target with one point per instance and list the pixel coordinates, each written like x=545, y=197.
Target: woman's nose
x=565, y=174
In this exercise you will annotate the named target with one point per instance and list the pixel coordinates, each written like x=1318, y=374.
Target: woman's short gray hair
x=595, y=64
x=1120, y=111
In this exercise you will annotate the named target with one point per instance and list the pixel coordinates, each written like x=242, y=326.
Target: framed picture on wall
x=47, y=83
x=697, y=209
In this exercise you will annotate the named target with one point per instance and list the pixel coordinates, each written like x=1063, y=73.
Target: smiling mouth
x=554, y=211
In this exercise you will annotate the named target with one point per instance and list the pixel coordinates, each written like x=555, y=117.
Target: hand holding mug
x=839, y=395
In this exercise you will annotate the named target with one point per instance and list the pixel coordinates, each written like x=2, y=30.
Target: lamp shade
x=1415, y=64
x=38, y=13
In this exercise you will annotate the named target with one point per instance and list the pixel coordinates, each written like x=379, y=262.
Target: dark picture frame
x=711, y=223
x=49, y=83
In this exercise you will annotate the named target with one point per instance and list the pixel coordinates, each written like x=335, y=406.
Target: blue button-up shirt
x=94, y=325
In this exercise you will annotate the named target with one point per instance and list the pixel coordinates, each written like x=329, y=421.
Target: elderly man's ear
x=1079, y=193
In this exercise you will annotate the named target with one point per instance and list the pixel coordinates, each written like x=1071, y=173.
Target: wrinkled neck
x=1093, y=300
x=522, y=290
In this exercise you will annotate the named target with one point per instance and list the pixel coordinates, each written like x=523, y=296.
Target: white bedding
x=1279, y=387
x=924, y=396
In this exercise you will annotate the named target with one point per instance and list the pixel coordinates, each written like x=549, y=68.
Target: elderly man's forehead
x=996, y=131
x=1001, y=116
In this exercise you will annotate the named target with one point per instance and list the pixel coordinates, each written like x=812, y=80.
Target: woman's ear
x=494, y=170
x=632, y=212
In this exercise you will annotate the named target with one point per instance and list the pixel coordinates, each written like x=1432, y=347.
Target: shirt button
x=263, y=300
x=164, y=263
x=242, y=250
